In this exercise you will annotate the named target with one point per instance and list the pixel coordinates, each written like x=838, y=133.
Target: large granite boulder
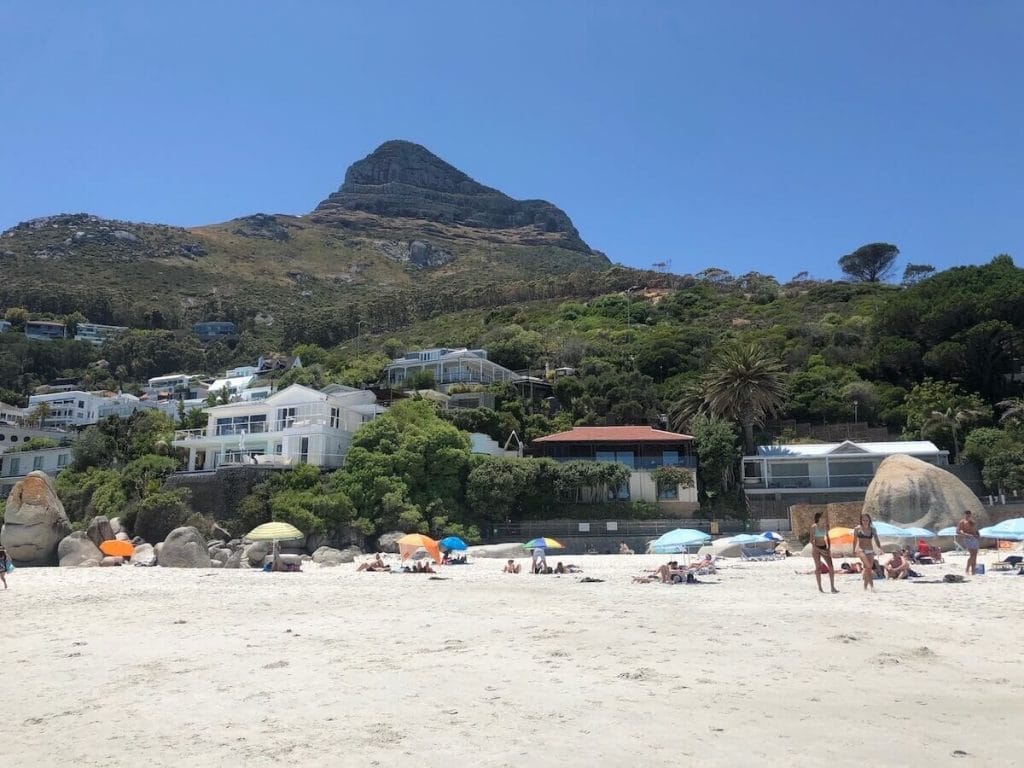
x=144, y=554
x=100, y=530
x=34, y=521
x=502, y=551
x=257, y=552
x=332, y=556
x=76, y=550
x=184, y=548
x=388, y=542
x=911, y=492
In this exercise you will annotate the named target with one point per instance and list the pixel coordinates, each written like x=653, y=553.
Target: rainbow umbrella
x=543, y=543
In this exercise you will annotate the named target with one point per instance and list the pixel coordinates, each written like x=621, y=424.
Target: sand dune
x=133, y=666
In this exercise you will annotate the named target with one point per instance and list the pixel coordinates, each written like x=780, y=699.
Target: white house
x=13, y=437
x=14, y=466
x=297, y=425
x=448, y=366
x=69, y=409
x=11, y=414
x=823, y=468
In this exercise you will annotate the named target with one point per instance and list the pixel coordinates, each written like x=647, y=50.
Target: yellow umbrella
x=275, y=531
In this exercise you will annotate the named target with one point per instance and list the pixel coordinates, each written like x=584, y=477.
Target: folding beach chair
x=756, y=554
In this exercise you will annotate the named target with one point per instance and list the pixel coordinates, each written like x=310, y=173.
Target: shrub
x=160, y=513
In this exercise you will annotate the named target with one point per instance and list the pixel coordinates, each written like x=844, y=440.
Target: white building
x=826, y=468
x=69, y=409
x=4, y=326
x=14, y=466
x=448, y=366
x=13, y=437
x=96, y=334
x=297, y=425
x=175, y=386
x=11, y=414
x=236, y=381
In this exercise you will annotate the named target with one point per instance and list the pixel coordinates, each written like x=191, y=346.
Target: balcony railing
x=259, y=428
x=685, y=462
x=832, y=481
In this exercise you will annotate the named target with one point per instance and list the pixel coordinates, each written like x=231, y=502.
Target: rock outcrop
x=184, y=548
x=144, y=554
x=78, y=550
x=908, y=491
x=388, y=542
x=34, y=521
x=402, y=179
x=332, y=556
x=503, y=551
x=100, y=530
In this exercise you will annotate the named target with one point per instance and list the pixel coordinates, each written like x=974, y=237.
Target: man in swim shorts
x=967, y=535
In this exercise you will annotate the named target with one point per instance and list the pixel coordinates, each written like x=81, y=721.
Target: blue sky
x=768, y=136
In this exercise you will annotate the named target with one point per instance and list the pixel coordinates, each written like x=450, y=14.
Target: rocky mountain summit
x=405, y=180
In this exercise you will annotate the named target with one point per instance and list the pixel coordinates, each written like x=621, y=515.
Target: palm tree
x=743, y=384
x=952, y=419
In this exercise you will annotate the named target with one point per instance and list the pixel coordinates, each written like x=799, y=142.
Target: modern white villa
x=14, y=466
x=297, y=425
x=846, y=467
x=448, y=366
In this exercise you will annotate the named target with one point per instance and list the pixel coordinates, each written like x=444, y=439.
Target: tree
x=160, y=513
x=39, y=414
x=870, y=263
x=744, y=384
x=915, y=273
x=17, y=317
x=1013, y=411
x=718, y=452
x=955, y=420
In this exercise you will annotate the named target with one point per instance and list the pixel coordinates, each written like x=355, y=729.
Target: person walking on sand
x=821, y=549
x=967, y=535
x=3, y=566
x=863, y=536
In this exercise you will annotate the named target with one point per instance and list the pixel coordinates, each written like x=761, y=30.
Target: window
x=619, y=494
x=622, y=457
x=335, y=418
x=14, y=466
x=667, y=491
x=670, y=458
x=37, y=462
x=304, y=450
x=62, y=460
x=81, y=403
x=285, y=417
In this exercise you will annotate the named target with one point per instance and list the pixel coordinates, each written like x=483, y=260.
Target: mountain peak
x=403, y=179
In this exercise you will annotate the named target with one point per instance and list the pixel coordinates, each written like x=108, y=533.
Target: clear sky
x=770, y=136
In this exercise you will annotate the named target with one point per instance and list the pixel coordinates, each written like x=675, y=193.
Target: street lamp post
x=855, y=405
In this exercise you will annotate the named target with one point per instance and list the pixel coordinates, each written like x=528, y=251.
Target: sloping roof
x=614, y=435
x=850, y=448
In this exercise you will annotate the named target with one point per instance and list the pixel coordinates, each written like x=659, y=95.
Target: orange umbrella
x=840, y=536
x=117, y=548
x=409, y=543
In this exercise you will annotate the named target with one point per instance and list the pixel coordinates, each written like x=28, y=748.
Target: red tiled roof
x=614, y=435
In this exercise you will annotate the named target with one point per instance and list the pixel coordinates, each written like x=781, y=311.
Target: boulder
x=237, y=560
x=908, y=491
x=388, y=542
x=258, y=551
x=122, y=536
x=216, y=564
x=315, y=541
x=77, y=550
x=144, y=554
x=117, y=527
x=220, y=533
x=349, y=554
x=332, y=556
x=111, y=561
x=100, y=530
x=502, y=551
x=184, y=547
x=220, y=555
x=235, y=544
x=156, y=549
x=34, y=521
x=136, y=540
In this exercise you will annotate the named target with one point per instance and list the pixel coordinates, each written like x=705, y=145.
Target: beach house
x=15, y=465
x=297, y=425
x=96, y=334
x=448, y=367
x=643, y=449
x=44, y=330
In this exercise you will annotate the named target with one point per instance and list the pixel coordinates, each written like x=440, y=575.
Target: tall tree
x=871, y=263
x=953, y=419
x=915, y=273
x=744, y=384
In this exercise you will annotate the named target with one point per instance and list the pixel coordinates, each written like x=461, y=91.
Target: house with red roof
x=642, y=449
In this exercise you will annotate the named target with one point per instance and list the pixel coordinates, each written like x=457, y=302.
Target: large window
x=14, y=466
x=335, y=418
x=237, y=425
x=285, y=417
x=37, y=462
x=622, y=457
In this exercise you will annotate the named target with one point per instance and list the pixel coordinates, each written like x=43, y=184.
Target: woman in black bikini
x=821, y=549
x=863, y=536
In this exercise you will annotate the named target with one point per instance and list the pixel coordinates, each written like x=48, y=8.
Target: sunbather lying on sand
x=512, y=567
x=377, y=564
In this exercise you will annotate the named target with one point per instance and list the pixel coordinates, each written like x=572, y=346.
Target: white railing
x=238, y=430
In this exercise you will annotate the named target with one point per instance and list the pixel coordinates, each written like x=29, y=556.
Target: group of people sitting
x=898, y=566
x=672, y=572
x=378, y=565
x=541, y=567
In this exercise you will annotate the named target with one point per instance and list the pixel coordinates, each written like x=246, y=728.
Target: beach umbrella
x=773, y=536
x=117, y=548
x=415, y=541
x=1008, y=530
x=888, y=529
x=678, y=540
x=275, y=531
x=950, y=531
x=543, y=543
x=453, y=543
x=747, y=538
x=840, y=536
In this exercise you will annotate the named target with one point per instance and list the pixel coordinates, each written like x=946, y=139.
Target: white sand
x=135, y=666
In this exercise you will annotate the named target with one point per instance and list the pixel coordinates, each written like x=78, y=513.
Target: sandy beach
x=160, y=667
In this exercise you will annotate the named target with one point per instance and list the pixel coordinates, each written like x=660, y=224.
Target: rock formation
x=144, y=554
x=78, y=550
x=908, y=491
x=100, y=530
x=388, y=542
x=184, y=548
x=34, y=521
x=402, y=179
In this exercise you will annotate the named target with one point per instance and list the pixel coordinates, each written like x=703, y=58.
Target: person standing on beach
x=863, y=536
x=821, y=550
x=967, y=535
x=540, y=560
x=3, y=566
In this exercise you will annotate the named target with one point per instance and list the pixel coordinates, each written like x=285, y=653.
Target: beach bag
x=10, y=567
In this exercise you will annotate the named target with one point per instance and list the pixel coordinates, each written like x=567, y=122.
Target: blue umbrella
x=452, y=543
x=749, y=538
x=1008, y=530
x=678, y=540
x=888, y=529
x=950, y=531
